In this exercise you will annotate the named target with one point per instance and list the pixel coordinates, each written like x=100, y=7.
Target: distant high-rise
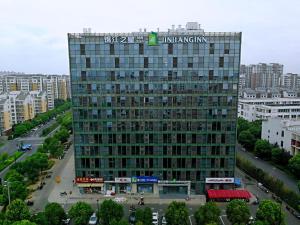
x=262, y=75
x=155, y=111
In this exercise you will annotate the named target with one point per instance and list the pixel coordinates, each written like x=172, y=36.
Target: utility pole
x=8, y=191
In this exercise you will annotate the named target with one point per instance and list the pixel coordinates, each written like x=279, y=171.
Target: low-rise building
x=282, y=132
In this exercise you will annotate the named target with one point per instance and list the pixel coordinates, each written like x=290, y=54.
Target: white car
x=93, y=219
x=163, y=221
x=155, y=218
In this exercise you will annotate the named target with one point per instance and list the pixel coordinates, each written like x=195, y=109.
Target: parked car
x=93, y=219
x=163, y=220
x=132, y=218
x=262, y=187
x=29, y=202
x=155, y=218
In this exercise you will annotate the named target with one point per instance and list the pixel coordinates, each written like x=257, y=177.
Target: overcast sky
x=33, y=33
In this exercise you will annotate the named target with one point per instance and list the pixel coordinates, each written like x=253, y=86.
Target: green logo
x=152, y=39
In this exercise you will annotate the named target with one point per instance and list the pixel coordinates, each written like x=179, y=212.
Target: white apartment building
x=284, y=133
x=263, y=108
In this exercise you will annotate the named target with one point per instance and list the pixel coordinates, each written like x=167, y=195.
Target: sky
x=33, y=33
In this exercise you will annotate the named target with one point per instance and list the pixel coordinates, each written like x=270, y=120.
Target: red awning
x=223, y=194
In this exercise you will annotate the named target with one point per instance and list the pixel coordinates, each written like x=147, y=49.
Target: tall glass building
x=155, y=111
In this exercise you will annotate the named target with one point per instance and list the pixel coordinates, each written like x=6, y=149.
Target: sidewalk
x=66, y=185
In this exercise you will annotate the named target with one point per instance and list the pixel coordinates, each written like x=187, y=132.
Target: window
x=190, y=62
x=211, y=48
x=210, y=74
x=170, y=48
x=117, y=62
x=221, y=61
x=83, y=75
x=88, y=62
x=174, y=62
x=82, y=49
x=282, y=133
x=226, y=48
x=146, y=62
x=112, y=49
x=141, y=48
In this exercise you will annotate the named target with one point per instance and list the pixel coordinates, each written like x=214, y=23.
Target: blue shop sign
x=144, y=179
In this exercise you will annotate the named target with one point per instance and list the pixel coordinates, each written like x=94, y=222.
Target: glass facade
x=167, y=110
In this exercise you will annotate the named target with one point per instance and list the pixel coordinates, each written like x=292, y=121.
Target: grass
x=11, y=159
x=50, y=164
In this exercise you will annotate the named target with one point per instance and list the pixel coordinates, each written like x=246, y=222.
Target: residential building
x=155, y=112
x=291, y=81
x=262, y=75
x=283, y=132
x=5, y=116
x=40, y=101
x=263, y=108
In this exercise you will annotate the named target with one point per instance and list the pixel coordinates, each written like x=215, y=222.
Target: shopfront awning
x=224, y=194
x=90, y=185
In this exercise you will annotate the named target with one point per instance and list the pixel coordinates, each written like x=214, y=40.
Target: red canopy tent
x=225, y=194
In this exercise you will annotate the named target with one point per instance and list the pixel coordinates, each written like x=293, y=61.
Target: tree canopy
x=80, y=213
x=54, y=213
x=110, y=210
x=238, y=212
x=17, y=211
x=208, y=213
x=270, y=213
x=177, y=213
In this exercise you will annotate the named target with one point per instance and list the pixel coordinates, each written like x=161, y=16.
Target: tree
x=54, y=147
x=13, y=175
x=144, y=216
x=62, y=135
x=54, y=213
x=242, y=125
x=139, y=223
x=246, y=139
x=16, y=211
x=110, y=210
x=40, y=219
x=17, y=191
x=263, y=149
x=294, y=165
x=208, y=213
x=298, y=184
x=80, y=213
x=3, y=157
x=177, y=214
x=238, y=212
x=120, y=222
x=24, y=222
x=270, y=213
x=276, y=154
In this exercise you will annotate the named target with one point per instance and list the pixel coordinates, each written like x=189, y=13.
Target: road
x=33, y=138
x=270, y=169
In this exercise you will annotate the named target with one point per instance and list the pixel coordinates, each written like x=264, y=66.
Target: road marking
x=190, y=219
x=222, y=219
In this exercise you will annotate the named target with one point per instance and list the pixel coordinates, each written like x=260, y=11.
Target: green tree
x=294, y=165
x=242, y=125
x=3, y=157
x=246, y=139
x=13, y=175
x=177, y=213
x=276, y=154
x=208, y=213
x=120, y=222
x=110, y=210
x=24, y=222
x=144, y=216
x=139, y=223
x=17, y=191
x=62, y=135
x=238, y=212
x=270, y=213
x=17, y=211
x=54, y=213
x=263, y=149
x=40, y=219
x=80, y=213
x=54, y=147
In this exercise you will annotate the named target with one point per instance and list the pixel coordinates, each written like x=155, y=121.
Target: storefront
x=174, y=187
x=123, y=185
x=145, y=184
x=90, y=184
x=219, y=183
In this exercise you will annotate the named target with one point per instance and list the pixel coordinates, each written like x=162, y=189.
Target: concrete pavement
x=290, y=182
